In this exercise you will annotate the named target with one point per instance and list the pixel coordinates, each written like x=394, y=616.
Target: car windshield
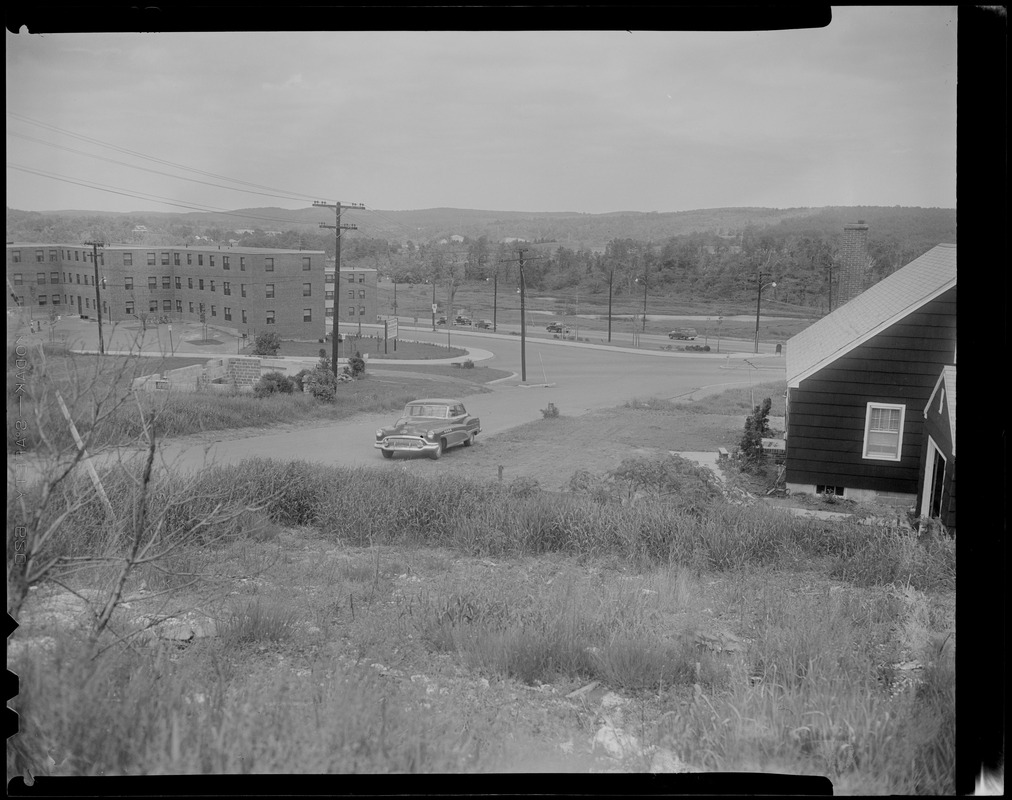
x=426, y=410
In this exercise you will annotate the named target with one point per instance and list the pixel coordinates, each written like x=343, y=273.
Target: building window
x=78, y=276
x=268, y=265
x=883, y=431
x=191, y=306
x=175, y=259
x=228, y=313
x=200, y=259
x=128, y=259
x=306, y=264
x=351, y=294
x=329, y=311
x=226, y=288
x=200, y=283
x=16, y=256
x=270, y=290
x=151, y=259
x=201, y=308
x=40, y=256
x=821, y=488
x=328, y=295
x=361, y=311
x=166, y=305
x=179, y=282
x=189, y=283
x=351, y=278
x=166, y=282
x=128, y=282
x=43, y=299
x=361, y=278
x=52, y=255
x=351, y=311
x=212, y=286
x=165, y=259
x=19, y=278
x=361, y=294
x=211, y=262
x=179, y=306
x=224, y=263
x=56, y=300
x=328, y=277
x=77, y=255
x=242, y=265
x=152, y=283
x=270, y=317
x=54, y=277
x=307, y=315
x=214, y=311
x=244, y=316
x=40, y=278
x=152, y=306
x=189, y=260
x=307, y=290
x=242, y=289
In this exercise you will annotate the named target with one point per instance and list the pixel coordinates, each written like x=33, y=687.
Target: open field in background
x=778, y=321
x=385, y=620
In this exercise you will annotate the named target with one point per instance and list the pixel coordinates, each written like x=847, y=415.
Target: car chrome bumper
x=407, y=445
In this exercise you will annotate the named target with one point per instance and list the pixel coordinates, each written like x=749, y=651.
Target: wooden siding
x=937, y=426
x=826, y=414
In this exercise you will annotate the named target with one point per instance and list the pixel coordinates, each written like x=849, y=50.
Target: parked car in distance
x=461, y=320
x=441, y=321
x=429, y=426
x=688, y=334
x=554, y=327
x=483, y=323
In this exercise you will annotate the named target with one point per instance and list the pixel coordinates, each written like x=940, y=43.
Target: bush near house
x=267, y=343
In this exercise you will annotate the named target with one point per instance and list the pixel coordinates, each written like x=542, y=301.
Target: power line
x=148, y=169
x=155, y=159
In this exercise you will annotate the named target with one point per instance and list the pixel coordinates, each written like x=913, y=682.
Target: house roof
x=947, y=382
x=871, y=312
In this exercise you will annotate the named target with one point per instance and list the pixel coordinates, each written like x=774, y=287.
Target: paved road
x=577, y=379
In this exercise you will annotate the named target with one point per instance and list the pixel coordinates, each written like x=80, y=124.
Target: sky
x=861, y=112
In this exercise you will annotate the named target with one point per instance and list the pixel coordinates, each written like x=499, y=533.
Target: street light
x=758, y=302
x=644, y=301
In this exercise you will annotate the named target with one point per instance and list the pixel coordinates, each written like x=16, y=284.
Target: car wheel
x=387, y=453
x=439, y=450
x=469, y=440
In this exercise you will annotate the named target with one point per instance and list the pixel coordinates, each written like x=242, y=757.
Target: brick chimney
x=853, y=262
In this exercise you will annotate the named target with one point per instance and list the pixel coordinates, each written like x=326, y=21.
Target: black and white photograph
x=485, y=402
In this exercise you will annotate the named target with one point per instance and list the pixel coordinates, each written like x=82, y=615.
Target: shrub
x=551, y=412
x=322, y=384
x=266, y=343
x=750, y=446
x=273, y=383
x=356, y=364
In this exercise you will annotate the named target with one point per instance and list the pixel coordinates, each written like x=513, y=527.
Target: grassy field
x=379, y=621
x=372, y=345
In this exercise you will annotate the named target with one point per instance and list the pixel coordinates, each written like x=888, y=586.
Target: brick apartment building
x=247, y=289
x=355, y=299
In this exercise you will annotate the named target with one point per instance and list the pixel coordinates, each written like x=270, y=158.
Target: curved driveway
x=577, y=378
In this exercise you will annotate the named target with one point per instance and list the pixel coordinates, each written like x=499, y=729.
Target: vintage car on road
x=483, y=323
x=462, y=320
x=554, y=327
x=429, y=426
x=687, y=334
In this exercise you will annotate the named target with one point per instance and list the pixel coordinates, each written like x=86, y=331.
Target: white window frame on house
x=879, y=453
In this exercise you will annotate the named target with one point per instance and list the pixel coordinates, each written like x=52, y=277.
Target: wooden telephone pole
x=98, y=295
x=523, y=305
x=337, y=227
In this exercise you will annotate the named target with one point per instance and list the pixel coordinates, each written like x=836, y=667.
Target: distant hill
x=569, y=229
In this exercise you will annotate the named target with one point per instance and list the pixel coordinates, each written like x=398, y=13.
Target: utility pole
x=338, y=227
x=523, y=316
x=758, y=301
x=611, y=276
x=98, y=295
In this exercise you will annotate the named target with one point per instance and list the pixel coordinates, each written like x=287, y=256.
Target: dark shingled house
x=859, y=381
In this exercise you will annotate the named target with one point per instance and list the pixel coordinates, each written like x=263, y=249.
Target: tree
x=750, y=446
x=266, y=343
